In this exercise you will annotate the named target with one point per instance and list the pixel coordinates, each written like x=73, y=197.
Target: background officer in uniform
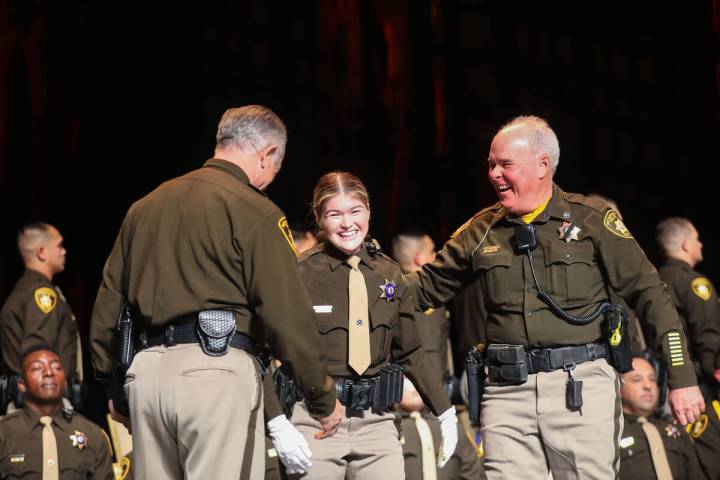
x=581, y=249
x=36, y=312
x=44, y=441
x=694, y=296
x=366, y=320
x=412, y=249
x=652, y=447
x=207, y=245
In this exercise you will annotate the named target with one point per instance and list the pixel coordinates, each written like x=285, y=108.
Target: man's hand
x=331, y=423
x=290, y=445
x=686, y=403
x=119, y=417
x=448, y=428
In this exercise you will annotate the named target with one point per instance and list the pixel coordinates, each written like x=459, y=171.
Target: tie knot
x=353, y=261
x=641, y=420
x=46, y=420
x=414, y=415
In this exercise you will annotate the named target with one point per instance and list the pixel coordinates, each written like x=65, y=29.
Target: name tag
x=18, y=458
x=627, y=442
x=322, y=308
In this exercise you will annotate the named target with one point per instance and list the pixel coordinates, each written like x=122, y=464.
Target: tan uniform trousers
x=366, y=446
x=527, y=428
x=195, y=416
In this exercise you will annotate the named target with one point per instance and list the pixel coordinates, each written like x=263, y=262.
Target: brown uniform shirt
x=576, y=273
x=83, y=450
x=393, y=328
x=35, y=313
x=697, y=304
x=636, y=461
x=210, y=240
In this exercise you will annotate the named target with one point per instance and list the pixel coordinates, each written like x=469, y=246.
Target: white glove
x=448, y=428
x=290, y=445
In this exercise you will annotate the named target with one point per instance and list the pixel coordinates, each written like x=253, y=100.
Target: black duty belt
x=187, y=333
x=550, y=359
x=379, y=393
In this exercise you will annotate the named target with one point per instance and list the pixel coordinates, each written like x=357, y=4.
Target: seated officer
x=651, y=447
x=43, y=440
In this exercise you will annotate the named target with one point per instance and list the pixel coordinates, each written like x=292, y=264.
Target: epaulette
x=465, y=225
x=9, y=416
x=593, y=203
x=309, y=253
x=387, y=257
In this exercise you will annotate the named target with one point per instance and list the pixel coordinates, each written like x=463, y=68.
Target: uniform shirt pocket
x=21, y=465
x=384, y=317
x=497, y=278
x=571, y=271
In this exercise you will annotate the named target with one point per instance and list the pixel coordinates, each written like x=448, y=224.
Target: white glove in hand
x=448, y=428
x=290, y=445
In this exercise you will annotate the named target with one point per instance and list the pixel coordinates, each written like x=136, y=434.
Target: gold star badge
x=672, y=431
x=79, y=440
x=389, y=289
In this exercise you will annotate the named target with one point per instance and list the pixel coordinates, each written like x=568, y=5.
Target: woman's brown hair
x=336, y=183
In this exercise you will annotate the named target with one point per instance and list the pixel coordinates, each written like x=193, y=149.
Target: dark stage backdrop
x=102, y=101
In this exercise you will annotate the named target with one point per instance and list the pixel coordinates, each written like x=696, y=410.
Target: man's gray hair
x=671, y=232
x=251, y=126
x=541, y=137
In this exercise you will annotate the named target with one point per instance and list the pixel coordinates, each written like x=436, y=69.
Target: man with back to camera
x=44, y=440
x=552, y=398
x=207, y=263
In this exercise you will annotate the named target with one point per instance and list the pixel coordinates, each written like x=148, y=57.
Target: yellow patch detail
x=429, y=311
x=285, y=229
x=613, y=223
x=45, y=299
x=491, y=249
x=699, y=426
x=702, y=288
x=716, y=407
x=616, y=336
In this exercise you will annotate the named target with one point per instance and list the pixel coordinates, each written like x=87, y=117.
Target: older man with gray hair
x=207, y=264
x=540, y=263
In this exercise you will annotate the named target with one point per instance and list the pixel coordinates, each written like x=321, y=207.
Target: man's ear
x=544, y=165
x=268, y=154
x=685, y=244
x=41, y=253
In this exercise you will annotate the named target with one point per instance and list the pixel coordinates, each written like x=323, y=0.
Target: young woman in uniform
x=365, y=320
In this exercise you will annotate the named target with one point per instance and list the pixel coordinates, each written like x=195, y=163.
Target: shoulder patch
x=613, y=223
x=702, y=288
x=45, y=299
x=285, y=229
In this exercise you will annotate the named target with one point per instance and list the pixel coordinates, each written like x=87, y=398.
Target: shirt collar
x=233, y=170
x=337, y=258
x=33, y=419
x=557, y=208
x=676, y=261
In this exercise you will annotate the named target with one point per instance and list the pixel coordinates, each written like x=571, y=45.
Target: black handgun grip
x=126, y=346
